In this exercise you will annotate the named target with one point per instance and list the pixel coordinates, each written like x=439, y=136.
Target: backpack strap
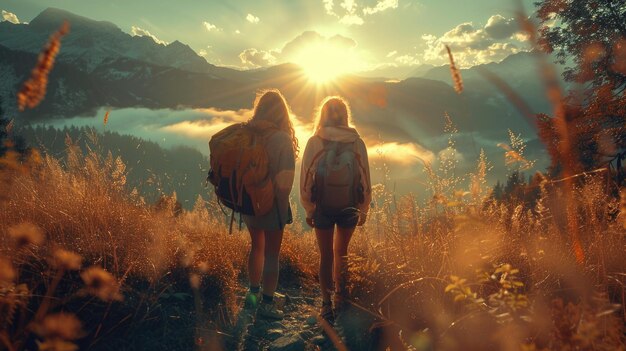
x=357, y=156
x=315, y=158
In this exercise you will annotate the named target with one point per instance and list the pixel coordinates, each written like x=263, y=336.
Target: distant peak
x=53, y=17
x=177, y=44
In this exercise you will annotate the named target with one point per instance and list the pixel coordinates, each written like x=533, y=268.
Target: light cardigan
x=309, y=165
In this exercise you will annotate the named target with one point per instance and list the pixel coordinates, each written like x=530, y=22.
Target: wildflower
x=34, y=89
x=66, y=260
x=101, y=283
x=26, y=234
x=106, y=118
x=60, y=326
x=7, y=273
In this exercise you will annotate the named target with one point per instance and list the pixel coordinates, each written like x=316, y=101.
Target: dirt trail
x=300, y=329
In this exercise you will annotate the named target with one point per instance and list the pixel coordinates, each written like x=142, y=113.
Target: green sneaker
x=251, y=301
x=269, y=311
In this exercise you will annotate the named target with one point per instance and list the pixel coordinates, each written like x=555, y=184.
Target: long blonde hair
x=270, y=106
x=334, y=111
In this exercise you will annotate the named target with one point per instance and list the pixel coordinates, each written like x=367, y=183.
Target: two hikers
x=252, y=168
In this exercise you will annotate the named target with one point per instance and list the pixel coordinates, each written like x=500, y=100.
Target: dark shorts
x=349, y=219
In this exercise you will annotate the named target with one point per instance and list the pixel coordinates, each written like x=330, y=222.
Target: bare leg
x=341, y=254
x=325, y=245
x=273, y=240
x=256, y=257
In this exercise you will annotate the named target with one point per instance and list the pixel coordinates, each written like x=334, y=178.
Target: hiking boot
x=251, y=301
x=269, y=311
x=327, y=312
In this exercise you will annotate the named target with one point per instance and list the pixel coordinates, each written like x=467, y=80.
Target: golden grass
x=59, y=217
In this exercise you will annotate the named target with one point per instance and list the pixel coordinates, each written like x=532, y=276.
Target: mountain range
x=99, y=65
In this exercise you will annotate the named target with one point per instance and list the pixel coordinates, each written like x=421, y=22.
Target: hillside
x=150, y=169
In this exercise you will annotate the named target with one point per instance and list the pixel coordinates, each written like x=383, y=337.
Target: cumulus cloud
x=499, y=27
x=351, y=19
x=347, y=12
x=10, y=17
x=140, y=32
x=382, y=5
x=257, y=58
x=473, y=45
x=203, y=53
x=329, y=5
x=253, y=57
x=252, y=18
x=307, y=38
x=211, y=27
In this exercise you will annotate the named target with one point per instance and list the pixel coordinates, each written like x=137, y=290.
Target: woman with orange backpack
x=335, y=191
x=252, y=168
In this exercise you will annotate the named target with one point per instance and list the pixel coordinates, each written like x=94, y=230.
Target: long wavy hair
x=334, y=111
x=270, y=106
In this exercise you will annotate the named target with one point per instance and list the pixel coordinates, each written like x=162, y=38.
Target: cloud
x=348, y=8
x=140, y=32
x=329, y=6
x=237, y=31
x=257, y=58
x=211, y=27
x=499, y=27
x=407, y=60
x=252, y=18
x=253, y=57
x=352, y=19
x=349, y=5
x=472, y=45
x=402, y=153
x=348, y=14
x=10, y=17
x=392, y=53
x=308, y=38
x=382, y=5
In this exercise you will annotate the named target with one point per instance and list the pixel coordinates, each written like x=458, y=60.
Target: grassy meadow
x=87, y=263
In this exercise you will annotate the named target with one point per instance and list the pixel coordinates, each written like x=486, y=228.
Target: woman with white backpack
x=335, y=190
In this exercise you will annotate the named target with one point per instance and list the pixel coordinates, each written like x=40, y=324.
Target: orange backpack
x=239, y=169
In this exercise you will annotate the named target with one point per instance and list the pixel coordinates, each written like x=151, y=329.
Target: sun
x=323, y=62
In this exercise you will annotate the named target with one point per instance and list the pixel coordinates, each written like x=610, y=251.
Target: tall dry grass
x=501, y=276
x=76, y=245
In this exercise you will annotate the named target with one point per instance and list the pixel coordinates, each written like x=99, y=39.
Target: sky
x=357, y=35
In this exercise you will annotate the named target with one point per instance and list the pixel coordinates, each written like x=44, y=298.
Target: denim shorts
x=348, y=219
